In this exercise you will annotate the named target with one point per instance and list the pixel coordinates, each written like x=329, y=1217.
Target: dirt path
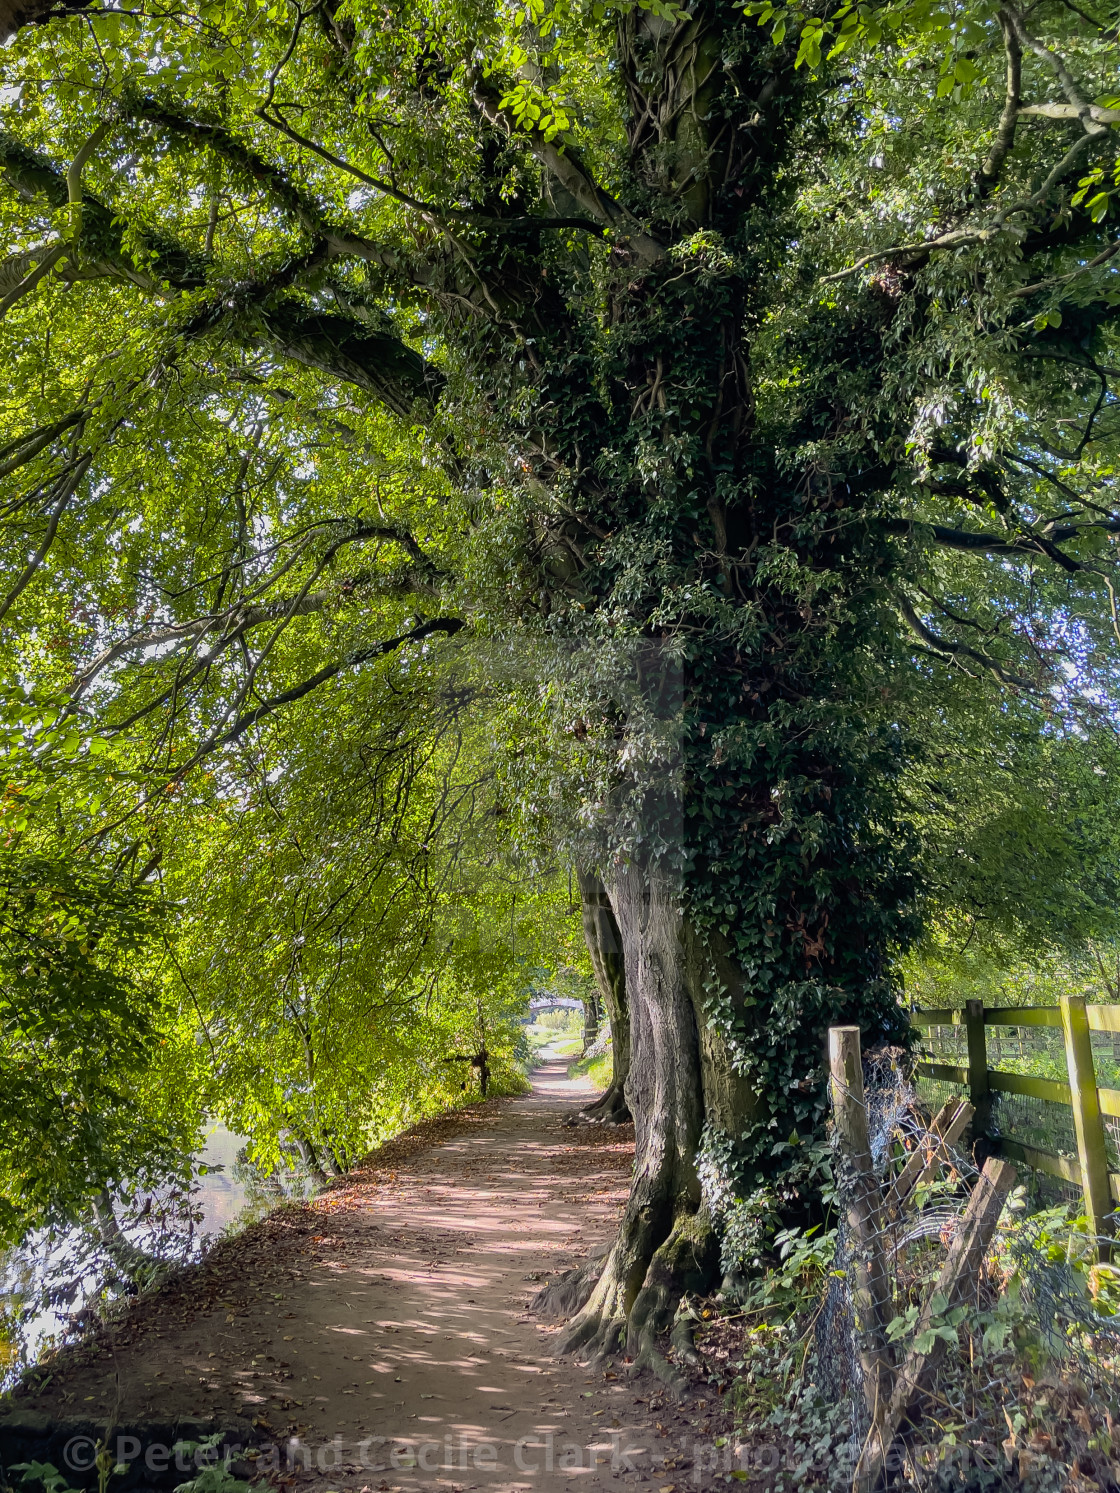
x=378, y=1339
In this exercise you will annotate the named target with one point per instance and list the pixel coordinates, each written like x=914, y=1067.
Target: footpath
x=379, y=1338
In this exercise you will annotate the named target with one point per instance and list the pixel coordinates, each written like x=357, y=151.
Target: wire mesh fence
x=1028, y=1050
x=1106, y=1058
x=1037, y=1050
x=944, y=1044
x=1036, y=1122
x=916, y=1229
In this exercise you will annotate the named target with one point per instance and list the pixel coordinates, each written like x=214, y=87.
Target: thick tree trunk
x=592, y=1018
x=681, y=1078
x=604, y=944
x=17, y=13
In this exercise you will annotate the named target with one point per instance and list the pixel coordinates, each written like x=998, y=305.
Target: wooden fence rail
x=1079, y=1091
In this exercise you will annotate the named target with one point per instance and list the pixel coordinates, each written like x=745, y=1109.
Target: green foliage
x=45, y=1473
x=75, y=1026
x=213, y=1475
x=375, y=839
x=598, y=1070
x=778, y=1262
x=54, y=1481
x=1056, y=1243
x=83, y=1017
x=455, y=442
x=804, y=1258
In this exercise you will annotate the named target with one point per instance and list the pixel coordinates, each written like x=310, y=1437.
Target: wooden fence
x=1079, y=1091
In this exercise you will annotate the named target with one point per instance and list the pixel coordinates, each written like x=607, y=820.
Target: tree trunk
x=604, y=944
x=310, y=1158
x=15, y=14
x=592, y=1019
x=133, y=1262
x=681, y=1079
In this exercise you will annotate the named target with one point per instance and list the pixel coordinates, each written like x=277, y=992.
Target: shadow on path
x=379, y=1338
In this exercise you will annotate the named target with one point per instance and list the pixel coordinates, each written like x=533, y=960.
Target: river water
x=229, y=1196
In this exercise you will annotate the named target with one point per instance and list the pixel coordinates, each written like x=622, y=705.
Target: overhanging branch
x=952, y=648
x=373, y=358
x=235, y=621
x=968, y=541
x=446, y=625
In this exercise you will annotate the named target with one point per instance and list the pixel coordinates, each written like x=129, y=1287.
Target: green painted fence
x=1079, y=1090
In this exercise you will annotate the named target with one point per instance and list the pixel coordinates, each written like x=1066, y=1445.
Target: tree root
x=635, y=1307
x=568, y=1294
x=599, y=1328
x=682, y=1337
x=650, y=1358
x=609, y=1109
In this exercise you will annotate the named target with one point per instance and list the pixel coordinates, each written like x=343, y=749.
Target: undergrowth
x=1027, y=1395
x=597, y=1068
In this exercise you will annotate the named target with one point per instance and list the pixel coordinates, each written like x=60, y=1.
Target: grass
x=598, y=1069
x=561, y=1043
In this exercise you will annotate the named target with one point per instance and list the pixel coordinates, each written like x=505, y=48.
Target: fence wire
x=913, y=1241
x=898, y=1124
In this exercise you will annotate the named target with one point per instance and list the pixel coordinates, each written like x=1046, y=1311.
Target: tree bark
x=604, y=945
x=592, y=1018
x=17, y=13
x=310, y=1158
x=681, y=1078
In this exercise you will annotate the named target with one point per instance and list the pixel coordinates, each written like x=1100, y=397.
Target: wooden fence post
x=860, y=1193
x=978, y=1091
x=1087, y=1123
x=957, y=1283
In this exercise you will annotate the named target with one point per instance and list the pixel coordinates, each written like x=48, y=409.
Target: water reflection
x=229, y=1193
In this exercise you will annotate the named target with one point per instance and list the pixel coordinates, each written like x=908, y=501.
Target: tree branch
x=951, y=648
x=433, y=212
x=15, y=14
x=1094, y=121
x=447, y=625
x=565, y=167
x=1073, y=111
x=19, y=452
x=1005, y=133
x=1102, y=258
x=52, y=253
x=968, y=541
x=255, y=169
x=239, y=619
x=1080, y=108
x=69, y=487
x=378, y=362
x=33, y=175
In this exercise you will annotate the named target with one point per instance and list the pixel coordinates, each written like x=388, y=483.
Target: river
x=229, y=1195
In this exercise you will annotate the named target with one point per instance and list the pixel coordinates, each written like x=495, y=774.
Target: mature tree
x=733, y=386
x=604, y=945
